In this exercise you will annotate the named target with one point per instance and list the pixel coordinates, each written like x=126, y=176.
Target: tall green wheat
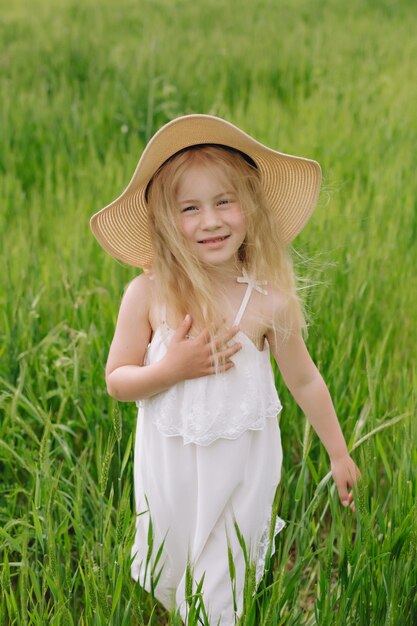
x=83, y=87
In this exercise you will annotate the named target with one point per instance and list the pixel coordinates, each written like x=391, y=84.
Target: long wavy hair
x=182, y=281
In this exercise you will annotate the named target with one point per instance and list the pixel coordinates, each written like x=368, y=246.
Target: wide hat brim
x=291, y=184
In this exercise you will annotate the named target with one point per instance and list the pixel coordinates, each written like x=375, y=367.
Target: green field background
x=84, y=85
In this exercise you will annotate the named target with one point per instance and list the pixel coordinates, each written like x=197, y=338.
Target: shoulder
x=141, y=286
x=138, y=293
x=276, y=305
x=284, y=319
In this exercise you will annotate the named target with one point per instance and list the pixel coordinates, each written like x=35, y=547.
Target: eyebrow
x=223, y=193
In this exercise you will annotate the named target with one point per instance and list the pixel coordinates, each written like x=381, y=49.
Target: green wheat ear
x=232, y=573
x=117, y=421
x=105, y=464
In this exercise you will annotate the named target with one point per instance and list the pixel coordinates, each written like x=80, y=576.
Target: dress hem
x=205, y=443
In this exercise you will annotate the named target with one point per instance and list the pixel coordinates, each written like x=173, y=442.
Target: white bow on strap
x=254, y=284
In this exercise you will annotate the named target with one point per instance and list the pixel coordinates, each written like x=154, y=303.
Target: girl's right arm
x=129, y=380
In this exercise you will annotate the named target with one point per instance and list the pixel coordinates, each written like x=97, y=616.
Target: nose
x=210, y=219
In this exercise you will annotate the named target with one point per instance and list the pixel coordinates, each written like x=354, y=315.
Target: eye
x=189, y=208
x=225, y=201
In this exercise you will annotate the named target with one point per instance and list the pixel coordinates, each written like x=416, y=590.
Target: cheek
x=240, y=223
x=243, y=233
x=185, y=226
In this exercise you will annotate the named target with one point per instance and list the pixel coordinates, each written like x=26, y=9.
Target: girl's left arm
x=309, y=390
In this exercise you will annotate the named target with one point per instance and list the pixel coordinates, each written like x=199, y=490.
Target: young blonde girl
x=208, y=215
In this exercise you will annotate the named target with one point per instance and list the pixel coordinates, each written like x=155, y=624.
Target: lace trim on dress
x=264, y=544
x=206, y=439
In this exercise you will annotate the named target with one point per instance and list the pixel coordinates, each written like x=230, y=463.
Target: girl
x=208, y=215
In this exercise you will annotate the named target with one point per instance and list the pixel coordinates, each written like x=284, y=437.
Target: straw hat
x=291, y=184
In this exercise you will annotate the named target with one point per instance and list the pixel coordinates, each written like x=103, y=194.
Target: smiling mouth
x=214, y=239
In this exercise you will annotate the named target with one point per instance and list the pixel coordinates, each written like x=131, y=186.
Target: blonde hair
x=183, y=282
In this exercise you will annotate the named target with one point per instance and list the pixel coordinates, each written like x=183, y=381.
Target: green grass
x=84, y=85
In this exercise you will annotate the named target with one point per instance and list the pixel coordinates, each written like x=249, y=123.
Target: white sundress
x=207, y=453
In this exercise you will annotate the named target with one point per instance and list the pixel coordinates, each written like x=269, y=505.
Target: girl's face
x=210, y=216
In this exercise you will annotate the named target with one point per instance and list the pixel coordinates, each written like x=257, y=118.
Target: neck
x=225, y=275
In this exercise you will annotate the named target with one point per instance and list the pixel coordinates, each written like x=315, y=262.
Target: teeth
x=213, y=240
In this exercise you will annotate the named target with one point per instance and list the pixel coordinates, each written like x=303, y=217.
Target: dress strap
x=252, y=284
x=243, y=305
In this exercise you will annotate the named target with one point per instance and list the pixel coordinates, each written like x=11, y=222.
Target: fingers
x=346, y=475
x=205, y=335
x=230, y=351
x=343, y=493
x=221, y=351
x=220, y=359
x=184, y=328
x=226, y=337
x=343, y=485
x=210, y=357
x=219, y=368
x=220, y=341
